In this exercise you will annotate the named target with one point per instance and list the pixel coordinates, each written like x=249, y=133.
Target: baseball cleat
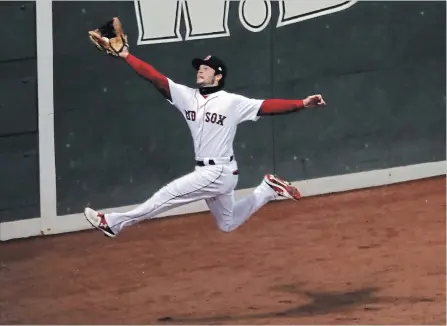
x=281, y=187
x=97, y=220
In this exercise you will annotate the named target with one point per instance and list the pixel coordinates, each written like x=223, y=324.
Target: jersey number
x=190, y=115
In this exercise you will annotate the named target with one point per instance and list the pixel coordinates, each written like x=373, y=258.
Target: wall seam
x=272, y=86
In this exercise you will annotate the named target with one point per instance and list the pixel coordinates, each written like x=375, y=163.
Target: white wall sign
x=159, y=22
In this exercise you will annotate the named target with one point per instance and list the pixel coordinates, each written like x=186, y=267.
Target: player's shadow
x=321, y=303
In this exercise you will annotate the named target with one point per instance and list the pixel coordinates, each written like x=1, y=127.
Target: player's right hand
x=105, y=42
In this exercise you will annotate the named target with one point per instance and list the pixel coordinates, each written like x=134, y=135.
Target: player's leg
x=200, y=184
x=230, y=214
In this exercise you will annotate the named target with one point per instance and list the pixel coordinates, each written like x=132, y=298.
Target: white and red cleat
x=98, y=220
x=281, y=187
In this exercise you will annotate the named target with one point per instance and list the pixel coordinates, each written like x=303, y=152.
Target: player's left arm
x=250, y=109
x=281, y=106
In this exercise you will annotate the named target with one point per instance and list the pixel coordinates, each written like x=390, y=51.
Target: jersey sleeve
x=247, y=108
x=181, y=95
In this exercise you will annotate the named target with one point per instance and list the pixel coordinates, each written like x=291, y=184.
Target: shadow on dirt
x=321, y=303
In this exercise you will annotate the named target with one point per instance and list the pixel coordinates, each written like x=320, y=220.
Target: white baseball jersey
x=213, y=120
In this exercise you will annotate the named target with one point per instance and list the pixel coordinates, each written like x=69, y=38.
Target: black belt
x=210, y=162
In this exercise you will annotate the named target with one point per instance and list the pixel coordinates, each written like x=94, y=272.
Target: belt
x=213, y=162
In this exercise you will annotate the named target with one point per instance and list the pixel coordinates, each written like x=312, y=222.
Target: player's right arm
x=146, y=70
x=177, y=94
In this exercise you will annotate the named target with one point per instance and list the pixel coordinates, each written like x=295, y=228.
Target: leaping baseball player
x=212, y=115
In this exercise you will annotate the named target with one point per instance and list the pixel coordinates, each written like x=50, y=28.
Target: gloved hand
x=110, y=38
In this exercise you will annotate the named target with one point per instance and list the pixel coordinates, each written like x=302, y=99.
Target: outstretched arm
x=150, y=73
x=280, y=106
x=141, y=67
x=253, y=109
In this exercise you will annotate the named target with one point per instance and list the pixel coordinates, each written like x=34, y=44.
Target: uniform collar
x=209, y=90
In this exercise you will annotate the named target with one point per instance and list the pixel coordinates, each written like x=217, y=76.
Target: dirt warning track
x=364, y=257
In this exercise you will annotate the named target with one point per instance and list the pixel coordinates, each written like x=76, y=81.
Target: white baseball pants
x=213, y=183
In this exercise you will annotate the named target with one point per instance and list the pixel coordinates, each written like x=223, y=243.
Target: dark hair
x=221, y=82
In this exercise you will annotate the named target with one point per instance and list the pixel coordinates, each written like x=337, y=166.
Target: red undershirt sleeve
x=280, y=106
x=147, y=71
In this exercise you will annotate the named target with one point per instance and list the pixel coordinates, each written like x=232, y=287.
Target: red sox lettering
x=209, y=117
x=190, y=115
x=215, y=118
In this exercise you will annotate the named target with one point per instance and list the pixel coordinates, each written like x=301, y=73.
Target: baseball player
x=212, y=115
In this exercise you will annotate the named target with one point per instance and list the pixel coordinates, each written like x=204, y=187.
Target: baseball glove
x=110, y=37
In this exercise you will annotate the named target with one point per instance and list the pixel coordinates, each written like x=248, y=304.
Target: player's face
x=206, y=76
